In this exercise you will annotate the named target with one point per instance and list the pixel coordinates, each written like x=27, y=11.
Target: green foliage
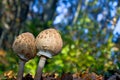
x=31, y=66
x=74, y=58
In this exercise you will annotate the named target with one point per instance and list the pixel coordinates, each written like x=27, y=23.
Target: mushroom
x=49, y=43
x=25, y=48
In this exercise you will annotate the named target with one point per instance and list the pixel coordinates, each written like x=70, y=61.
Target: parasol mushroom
x=49, y=43
x=24, y=47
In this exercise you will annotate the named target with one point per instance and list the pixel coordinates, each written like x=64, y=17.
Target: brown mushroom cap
x=24, y=46
x=49, y=40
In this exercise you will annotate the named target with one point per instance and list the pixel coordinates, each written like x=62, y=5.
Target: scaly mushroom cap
x=24, y=46
x=49, y=40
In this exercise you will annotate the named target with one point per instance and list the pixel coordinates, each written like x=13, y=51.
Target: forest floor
x=112, y=75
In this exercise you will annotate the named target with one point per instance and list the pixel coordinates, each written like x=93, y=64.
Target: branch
x=77, y=13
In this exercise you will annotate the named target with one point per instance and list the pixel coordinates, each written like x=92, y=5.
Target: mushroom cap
x=24, y=46
x=49, y=40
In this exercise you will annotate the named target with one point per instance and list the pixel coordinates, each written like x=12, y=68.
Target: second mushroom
x=49, y=43
x=24, y=47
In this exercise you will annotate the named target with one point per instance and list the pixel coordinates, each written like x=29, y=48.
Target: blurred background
x=90, y=30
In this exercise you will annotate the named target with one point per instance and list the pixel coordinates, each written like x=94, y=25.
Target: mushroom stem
x=40, y=68
x=21, y=70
